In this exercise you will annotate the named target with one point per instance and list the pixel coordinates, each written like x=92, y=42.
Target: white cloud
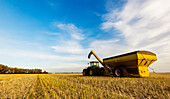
x=72, y=47
x=140, y=19
x=108, y=48
x=144, y=25
x=28, y=54
x=104, y=47
x=34, y=55
x=72, y=30
x=37, y=59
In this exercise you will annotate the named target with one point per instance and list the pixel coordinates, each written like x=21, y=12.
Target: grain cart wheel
x=120, y=72
x=124, y=72
x=117, y=72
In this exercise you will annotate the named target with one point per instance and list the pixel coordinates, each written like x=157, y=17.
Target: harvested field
x=76, y=86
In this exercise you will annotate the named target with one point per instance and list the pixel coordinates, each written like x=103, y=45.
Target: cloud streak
x=134, y=25
x=33, y=55
x=72, y=45
x=143, y=25
x=71, y=29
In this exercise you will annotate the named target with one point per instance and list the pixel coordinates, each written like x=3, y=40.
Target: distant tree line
x=8, y=70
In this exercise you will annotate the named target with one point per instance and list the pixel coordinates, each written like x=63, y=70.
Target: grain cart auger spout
x=92, y=52
x=130, y=64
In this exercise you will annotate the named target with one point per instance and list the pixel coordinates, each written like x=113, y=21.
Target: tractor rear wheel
x=102, y=71
x=91, y=73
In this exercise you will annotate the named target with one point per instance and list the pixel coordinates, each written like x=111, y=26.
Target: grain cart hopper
x=130, y=64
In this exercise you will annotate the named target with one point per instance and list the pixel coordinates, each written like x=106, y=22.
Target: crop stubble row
x=52, y=86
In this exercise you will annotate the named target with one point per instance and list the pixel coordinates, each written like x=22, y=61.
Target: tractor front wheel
x=84, y=72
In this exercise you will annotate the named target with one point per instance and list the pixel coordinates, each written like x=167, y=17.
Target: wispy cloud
x=72, y=45
x=106, y=47
x=143, y=25
x=68, y=49
x=139, y=21
x=130, y=24
x=71, y=29
x=34, y=55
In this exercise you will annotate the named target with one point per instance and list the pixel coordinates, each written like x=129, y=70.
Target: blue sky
x=57, y=35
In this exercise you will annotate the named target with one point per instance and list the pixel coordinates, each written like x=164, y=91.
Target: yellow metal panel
x=146, y=59
x=122, y=58
x=143, y=71
x=146, y=56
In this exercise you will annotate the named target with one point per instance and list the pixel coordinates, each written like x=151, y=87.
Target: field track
x=76, y=86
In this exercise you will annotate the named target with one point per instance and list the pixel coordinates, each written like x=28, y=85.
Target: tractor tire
x=97, y=72
x=91, y=72
x=102, y=71
x=120, y=72
x=85, y=72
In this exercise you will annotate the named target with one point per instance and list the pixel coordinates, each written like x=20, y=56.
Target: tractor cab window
x=91, y=64
x=94, y=63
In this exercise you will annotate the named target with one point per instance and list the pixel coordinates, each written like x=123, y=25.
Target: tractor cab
x=93, y=69
x=94, y=64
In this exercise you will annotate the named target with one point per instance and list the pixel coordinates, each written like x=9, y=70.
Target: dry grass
x=160, y=75
x=76, y=86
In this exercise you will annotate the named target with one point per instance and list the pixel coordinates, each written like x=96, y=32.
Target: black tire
x=87, y=71
x=102, y=71
x=91, y=72
x=125, y=72
x=96, y=71
x=120, y=72
x=84, y=72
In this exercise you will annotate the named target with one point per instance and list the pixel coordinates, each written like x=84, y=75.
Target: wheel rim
x=117, y=72
x=90, y=72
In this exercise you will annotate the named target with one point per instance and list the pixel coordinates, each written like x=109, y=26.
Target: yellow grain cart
x=135, y=64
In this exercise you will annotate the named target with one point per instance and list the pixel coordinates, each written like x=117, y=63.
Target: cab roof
x=94, y=62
